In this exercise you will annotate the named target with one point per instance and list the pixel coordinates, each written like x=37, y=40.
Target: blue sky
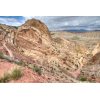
x=58, y=22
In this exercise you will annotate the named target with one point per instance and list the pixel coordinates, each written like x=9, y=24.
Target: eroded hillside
x=41, y=57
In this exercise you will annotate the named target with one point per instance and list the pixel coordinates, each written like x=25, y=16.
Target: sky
x=58, y=23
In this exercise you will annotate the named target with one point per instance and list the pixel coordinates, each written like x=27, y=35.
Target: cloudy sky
x=58, y=22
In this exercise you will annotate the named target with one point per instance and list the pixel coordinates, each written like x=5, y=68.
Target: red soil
x=28, y=75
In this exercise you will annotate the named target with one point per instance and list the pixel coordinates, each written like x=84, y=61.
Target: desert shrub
x=16, y=74
x=5, y=78
x=21, y=63
x=8, y=58
x=1, y=55
x=83, y=79
x=37, y=70
x=15, y=27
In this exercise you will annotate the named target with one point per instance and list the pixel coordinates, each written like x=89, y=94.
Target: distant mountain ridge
x=77, y=30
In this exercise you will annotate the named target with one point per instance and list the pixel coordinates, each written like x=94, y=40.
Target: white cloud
x=10, y=21
x=28, y=17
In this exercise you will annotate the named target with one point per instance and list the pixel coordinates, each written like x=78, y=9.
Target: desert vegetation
x=14, y=75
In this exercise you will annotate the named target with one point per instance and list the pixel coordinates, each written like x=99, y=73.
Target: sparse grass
x=16, y=74
x=5, y=78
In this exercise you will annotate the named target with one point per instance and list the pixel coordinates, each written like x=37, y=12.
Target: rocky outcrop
x=7, y=36
x=96, y=49
x=7, y=33
x=96, y=55
x=35, y=31
x=91, y=71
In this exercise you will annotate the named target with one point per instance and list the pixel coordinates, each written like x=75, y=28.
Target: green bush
x=83, y=79
x=16, y=74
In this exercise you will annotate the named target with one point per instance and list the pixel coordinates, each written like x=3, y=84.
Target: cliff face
x=60, y=60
